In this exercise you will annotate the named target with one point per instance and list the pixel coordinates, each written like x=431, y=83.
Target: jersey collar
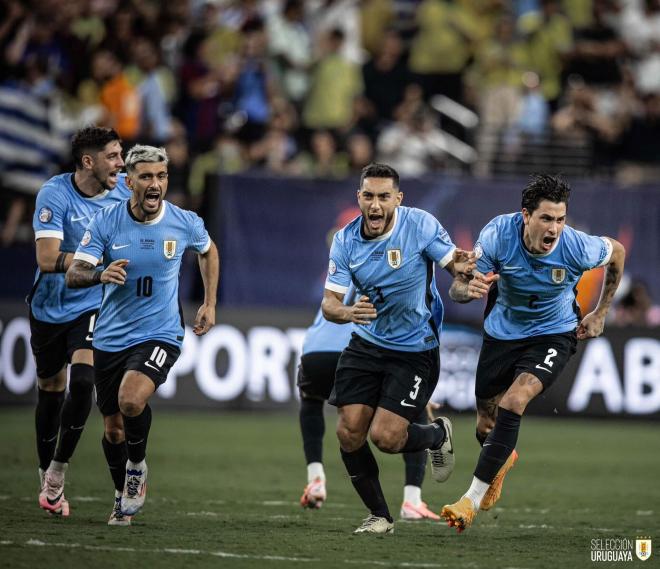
x=151, y=221
x=384, y=236
x=84, y=195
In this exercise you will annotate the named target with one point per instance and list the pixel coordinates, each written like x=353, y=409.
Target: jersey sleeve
x=93, y=242
x=339, y=276
x=486, y=249
x=435, y=241
x=49, y=214
x=199, y=237
x=589, y=251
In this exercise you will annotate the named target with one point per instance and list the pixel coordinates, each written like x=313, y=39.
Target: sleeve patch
x=45, y=215
x=86, y=238
x=332, y=267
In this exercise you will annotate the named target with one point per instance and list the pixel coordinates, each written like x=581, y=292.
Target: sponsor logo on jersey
x=169, y=248
x=332, y=267
x=394, y=258
x=558, y=275
x=45, y=215
x=86, y=238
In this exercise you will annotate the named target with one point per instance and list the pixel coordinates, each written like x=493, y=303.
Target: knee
x=516, y=402
x=55, y=383
x=350, y=438
x=82, y=380
x=130, y=406
x=387, y=440
x=114, y=434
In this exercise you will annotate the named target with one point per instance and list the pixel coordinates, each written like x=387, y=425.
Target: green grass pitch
x=224, y=490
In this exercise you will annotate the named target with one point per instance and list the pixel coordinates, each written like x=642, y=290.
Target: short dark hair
x=545, y=187
x=376, y=170
x=91, y=139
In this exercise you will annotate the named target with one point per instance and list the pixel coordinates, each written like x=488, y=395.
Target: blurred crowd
x=320, y=88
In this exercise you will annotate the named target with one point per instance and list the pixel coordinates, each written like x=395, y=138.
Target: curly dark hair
x=545, y=187
x=376, y=170
x=91, y=139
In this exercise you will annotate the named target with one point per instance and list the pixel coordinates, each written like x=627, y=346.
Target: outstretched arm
x=82, y=274
x=469, y=287
x=209, y=267
x=593, y=323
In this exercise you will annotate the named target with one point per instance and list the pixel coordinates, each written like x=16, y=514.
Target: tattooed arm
x=468, y=287
x=593, y=323
x=82, y=274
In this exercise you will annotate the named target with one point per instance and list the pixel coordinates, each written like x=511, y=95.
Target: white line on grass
x=227, y=554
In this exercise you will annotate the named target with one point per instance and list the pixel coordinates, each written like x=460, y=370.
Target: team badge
x=558, y=275
x=45, y=215
x=169, y=249
x=394, y=258
x=332, y=267
x=86, y=238
x=643, y=548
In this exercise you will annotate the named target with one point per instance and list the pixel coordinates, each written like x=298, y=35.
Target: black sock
x=363, y=470
x=115, y=455
x=312, y=428
x=421, y=437
x=137, y=433
x=499, y=445
x=75, y=410
x=47, y=423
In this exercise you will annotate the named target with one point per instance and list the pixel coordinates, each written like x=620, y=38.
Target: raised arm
x=593, y=323
x=49, y=257
x=334, y=309
x=82, y=274
x=209, y=267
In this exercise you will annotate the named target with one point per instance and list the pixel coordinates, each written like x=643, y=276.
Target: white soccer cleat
x=410, y=512
x=314, y=494
x=442, y=458
x=135, y=489
x=375, y=524
x=117, y=518
x=51, y=496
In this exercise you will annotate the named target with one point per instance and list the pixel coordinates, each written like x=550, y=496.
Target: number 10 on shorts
x=158, y=356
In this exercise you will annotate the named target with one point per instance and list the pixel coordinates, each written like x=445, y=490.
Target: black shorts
x=153, y=358
x=502, y=361
x=401, y=382
x=316, y=374
x=54, y=344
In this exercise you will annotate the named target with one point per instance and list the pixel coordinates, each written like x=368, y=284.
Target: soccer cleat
x=51, y=496
x=495, y=489
x=135, y=490
x=117, y=518
x=459, y=515
x=314, y=494
x=375, y=524
x=410, y=512
x=442, y=458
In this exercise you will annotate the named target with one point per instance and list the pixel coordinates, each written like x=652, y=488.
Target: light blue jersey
x=396, y=272
x=146, y=306
x=326, y=336
x=63, y=212
x=536, y=293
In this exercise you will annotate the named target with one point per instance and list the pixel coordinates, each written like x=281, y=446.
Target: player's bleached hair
x=545, y=187
x=376, y=170
x=143, y=153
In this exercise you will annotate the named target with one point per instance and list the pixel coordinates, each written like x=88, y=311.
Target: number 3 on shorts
x=415, y=391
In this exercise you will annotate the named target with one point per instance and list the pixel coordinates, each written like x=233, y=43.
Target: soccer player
x=532, y=322
x=61, y=319
x=140, y=327
x=389, y=369
x=324, y=342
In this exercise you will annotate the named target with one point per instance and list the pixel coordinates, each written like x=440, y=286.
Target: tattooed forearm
x=458, y=291
x=613, y=273
x=82, y=274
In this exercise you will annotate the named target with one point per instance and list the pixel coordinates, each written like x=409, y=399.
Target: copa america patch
x=478, y=251
x=86, y=238
x=45, y=215
x=332, y=267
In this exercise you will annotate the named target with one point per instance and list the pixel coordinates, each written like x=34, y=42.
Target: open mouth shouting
x=152, y=199
x=375, y=223
x=547, y=243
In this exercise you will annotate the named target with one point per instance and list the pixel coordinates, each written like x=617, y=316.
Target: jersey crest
x=558, y=275
x=394, y=258
x=169, y=248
